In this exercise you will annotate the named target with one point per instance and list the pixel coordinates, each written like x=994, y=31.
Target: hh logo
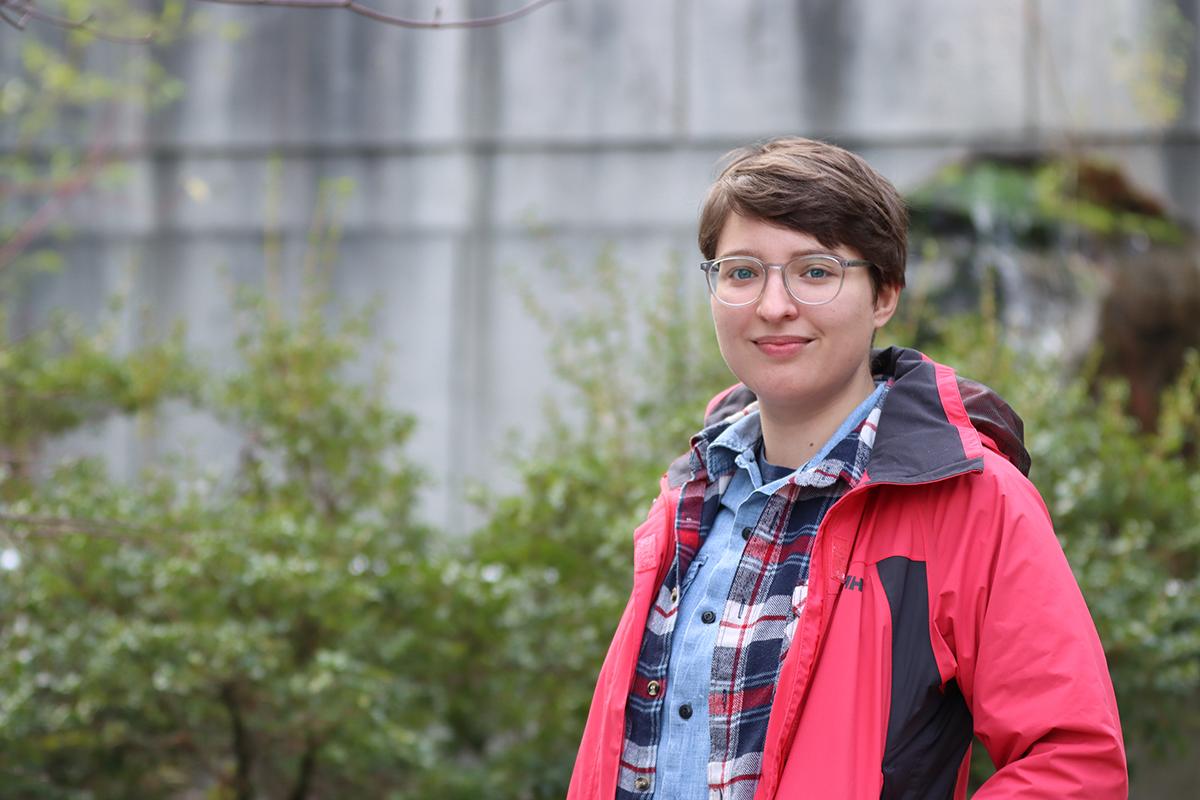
x=853, y=583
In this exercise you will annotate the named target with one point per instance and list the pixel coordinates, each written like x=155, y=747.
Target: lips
x=781, y=346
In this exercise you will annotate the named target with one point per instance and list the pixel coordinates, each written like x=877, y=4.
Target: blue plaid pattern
x=759, y=619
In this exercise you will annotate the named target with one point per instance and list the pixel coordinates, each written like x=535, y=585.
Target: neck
x=792, y=434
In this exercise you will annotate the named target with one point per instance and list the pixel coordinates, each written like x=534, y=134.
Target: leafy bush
x=555, y=558
x=290, y=630
x=269, y=633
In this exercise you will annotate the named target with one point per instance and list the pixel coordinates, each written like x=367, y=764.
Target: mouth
x=781, y=346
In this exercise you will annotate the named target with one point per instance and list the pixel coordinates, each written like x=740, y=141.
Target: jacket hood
x=934, y=423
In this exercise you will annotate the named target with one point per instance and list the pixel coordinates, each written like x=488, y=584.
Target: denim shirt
x=684, y=747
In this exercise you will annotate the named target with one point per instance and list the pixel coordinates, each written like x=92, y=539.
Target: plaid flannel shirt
x=765, y=602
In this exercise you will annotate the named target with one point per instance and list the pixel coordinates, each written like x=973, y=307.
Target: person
x=848, y=576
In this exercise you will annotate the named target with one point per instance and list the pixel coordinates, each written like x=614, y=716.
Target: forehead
x=769, y=241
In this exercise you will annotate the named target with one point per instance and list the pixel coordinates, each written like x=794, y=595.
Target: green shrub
x=274, y=632
x=290, y=630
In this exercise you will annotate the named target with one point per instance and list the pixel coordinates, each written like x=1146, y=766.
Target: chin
x=775, y=393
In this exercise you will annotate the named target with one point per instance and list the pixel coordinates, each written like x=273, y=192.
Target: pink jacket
x=940, y=605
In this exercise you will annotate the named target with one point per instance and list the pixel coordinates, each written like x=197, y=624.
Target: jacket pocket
x=647, y=542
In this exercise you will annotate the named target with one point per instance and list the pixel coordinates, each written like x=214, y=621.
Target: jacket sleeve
x=1025, y=651
x=598, y=760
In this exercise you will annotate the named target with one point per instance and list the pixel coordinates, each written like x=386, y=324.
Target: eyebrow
x=795, y=254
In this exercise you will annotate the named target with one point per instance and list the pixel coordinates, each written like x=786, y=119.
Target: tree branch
x=389, y=19
x=49, y=527
x=19, y=24
x=243, y=748
x=41, y=219
x=27, y=10
x=308, y=767
x=36, y=186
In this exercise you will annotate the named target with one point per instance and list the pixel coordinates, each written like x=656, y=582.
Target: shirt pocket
x=693, y=571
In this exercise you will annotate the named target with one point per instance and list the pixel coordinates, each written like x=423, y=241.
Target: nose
x=776, y=303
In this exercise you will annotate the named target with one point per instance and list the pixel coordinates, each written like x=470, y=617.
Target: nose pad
x=776, y=300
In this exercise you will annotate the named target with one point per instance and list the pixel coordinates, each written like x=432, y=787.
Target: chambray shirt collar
x=735, y=446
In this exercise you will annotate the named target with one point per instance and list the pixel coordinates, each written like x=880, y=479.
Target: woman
x=848, y=575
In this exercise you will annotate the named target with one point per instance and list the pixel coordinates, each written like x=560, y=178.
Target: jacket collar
x=934, y=423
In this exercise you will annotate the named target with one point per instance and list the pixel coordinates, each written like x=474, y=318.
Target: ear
x=886, y=301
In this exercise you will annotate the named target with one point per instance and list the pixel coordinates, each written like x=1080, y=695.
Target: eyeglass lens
x=812, y=279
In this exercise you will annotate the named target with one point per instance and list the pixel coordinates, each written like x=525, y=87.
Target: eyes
x=810, y=279
x=809, y=269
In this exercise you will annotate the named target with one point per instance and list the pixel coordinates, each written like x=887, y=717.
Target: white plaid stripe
x=758, y=619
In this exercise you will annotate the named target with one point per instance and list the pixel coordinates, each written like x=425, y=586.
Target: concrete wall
x=600, y=120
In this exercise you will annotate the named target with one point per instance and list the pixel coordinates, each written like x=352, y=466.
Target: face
x=796, y=357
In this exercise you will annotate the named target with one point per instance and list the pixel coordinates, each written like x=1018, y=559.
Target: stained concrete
x=593, y=122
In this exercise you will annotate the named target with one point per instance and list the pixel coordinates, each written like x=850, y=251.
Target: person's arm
x=598, y=760
x=1027, y=656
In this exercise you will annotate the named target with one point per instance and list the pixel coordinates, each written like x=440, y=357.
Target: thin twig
x=33, y=187
x=29, y=11
x=69, y=526
x=19, y=24
x=390, y=19
x=243, y=746
x=41, y=219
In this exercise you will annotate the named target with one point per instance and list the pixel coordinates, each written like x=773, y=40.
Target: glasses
x=812, y=279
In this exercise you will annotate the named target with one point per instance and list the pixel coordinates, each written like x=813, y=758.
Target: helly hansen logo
x=853, y=583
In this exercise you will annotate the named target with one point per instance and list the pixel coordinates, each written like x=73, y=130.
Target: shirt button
x=708, y=617
x=747, y=533
x=641, y=784
x=652, y=688
x=675, y=595
x=685, y=711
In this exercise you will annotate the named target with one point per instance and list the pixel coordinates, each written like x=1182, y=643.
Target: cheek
x=851, y=323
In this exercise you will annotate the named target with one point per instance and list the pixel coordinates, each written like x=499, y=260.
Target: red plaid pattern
x=758, y=620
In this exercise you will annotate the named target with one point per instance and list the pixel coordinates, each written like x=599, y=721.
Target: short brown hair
x=815, y=188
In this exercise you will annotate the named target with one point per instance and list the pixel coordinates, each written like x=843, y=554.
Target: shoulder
x=652, y=539
x=996, y=486
x=1006, y=488
x=979, y=514
x=990, y=535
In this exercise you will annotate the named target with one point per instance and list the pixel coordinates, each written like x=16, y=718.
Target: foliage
x=64, y=72
x=1156, y=70
x=272, y=632
x=1041, y=201
x=60, y=377
x=62, y=105
x=290, y=630
x=555, y=556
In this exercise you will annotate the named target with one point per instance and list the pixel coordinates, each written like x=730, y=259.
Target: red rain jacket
x=940, y=605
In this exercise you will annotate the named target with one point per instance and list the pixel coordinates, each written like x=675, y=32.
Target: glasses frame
x=710, y=269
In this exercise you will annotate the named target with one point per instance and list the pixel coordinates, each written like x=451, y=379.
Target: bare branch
x=19, y=24
x=52, y=527
x=389, y=19
x=36, y=186
x=41, y=219
x=243, y=746
x=28, y=11
x=308, y=766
